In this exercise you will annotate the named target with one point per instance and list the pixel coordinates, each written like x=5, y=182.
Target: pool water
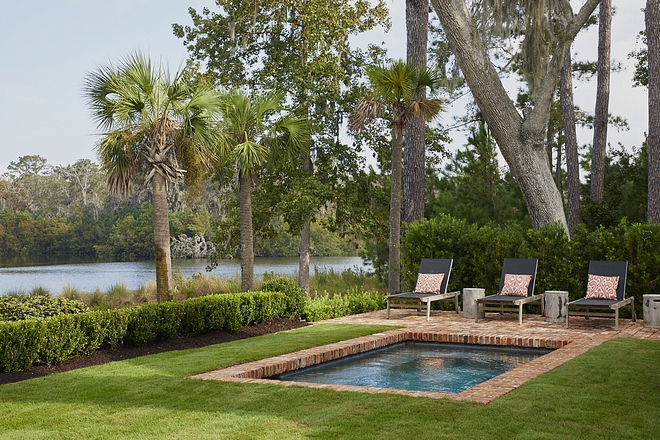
x=418, y=366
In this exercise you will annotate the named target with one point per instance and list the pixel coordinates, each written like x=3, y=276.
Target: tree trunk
x=417, y=17
x=161, y=237
x=521, y=140
x=247, y=245
x=303, y=267
x=395, y=213
x=558, y=169
x=570, y=143
x=653, y=140
x=602, y=101
x=305, y=244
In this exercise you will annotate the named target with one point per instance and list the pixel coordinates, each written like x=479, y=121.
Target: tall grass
x=323, y=283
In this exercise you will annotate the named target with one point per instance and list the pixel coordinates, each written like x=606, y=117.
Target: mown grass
x=613, y=391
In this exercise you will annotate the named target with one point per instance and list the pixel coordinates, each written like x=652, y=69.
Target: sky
x=47, y=48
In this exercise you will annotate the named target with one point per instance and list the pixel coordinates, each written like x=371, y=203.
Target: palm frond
x=292, y=137
x=367, y=110
x=250, y=155
x=118, y=157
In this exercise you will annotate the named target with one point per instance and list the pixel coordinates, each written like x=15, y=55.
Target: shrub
x=326, y=307
x=19, y=343
x=479, y=253
x=295, y=296
x=19, y=307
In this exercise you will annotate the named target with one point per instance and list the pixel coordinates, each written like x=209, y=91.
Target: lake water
x=89, y=276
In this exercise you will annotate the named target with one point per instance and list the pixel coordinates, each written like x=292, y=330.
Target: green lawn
x=613, y=391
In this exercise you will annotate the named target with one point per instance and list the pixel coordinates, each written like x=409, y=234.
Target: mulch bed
x=178, y=343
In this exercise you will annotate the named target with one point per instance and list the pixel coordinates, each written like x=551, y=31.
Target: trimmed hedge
x=479, y=253
x=54, y=339
x=296, y=297
x=326, y=307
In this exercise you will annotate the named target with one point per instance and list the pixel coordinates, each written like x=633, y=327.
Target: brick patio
x=446, y=326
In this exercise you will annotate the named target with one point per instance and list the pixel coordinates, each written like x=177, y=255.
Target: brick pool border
x=259, y=371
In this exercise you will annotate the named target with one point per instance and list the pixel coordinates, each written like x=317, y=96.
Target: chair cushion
x=429, y=282
x=515, y=285
x=602, y=287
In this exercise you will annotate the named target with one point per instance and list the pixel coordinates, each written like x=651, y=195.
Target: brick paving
x=446, y=326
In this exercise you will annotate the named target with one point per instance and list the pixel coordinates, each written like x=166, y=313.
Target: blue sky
x=47, y=48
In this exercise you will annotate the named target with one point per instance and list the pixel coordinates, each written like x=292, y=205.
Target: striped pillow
x=515, y=285
x=429, y=282
x=602, y=287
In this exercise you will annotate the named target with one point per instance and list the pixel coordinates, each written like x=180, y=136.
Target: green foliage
x=473, y=186
x=19, y=344
x=295, y=296
x=326, y=307
x=20, y=307
x=132, y=238
x=625, y=193
x=54, y=339
x=479, y=253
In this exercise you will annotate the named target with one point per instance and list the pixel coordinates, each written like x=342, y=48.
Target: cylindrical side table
x=555, y=305
x=470, y=294
x=651, y=310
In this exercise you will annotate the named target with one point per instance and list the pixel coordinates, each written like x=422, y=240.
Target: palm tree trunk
x=161, y=237
x=653, y=140
x=395, y=213
x=602, y=102
x=417, y=17
x=247, y=244
x=570, y=143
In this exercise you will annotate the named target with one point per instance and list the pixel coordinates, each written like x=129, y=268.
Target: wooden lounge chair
x=606, y=292
x=431, y=286
x=516, y=289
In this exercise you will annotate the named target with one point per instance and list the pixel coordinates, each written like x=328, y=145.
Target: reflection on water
x=17, y=276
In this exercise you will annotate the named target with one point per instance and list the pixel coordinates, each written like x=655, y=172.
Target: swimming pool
x=418, y=366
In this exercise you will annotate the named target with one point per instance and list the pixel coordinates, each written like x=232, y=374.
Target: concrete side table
x=470, y=295
x=555, y=305
x=651, y=310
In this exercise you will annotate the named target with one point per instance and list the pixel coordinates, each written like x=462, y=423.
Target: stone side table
x=651, y=310
x=470, y=295
x=555, y=305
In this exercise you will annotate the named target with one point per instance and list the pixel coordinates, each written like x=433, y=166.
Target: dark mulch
x=178, y=343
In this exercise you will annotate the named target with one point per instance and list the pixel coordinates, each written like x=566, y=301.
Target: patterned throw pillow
x=429, y=282
x=601, y=287
x=515, y=285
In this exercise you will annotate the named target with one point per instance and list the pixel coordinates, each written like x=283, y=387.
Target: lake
x=89, y=276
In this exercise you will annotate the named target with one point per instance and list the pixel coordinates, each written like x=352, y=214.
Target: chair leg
x=632, y=310
x=616, y=319
x=476, y=316
x=428, y=310
x=520, y=314
x=388, y=308
x=566, y=316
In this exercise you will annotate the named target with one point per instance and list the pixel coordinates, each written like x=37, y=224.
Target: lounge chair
x=516, y=289
x=431, y=286
x=606, y=292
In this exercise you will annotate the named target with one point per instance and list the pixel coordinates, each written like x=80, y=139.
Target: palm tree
x=153, y=125
x=254, y=132
x=397, y=93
